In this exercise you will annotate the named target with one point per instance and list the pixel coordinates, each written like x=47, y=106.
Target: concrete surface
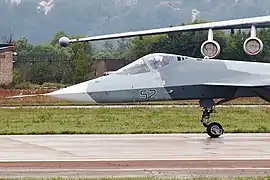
x=172, y=155
x=132, y=106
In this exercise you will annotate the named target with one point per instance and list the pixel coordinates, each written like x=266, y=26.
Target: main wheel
x=214, y=130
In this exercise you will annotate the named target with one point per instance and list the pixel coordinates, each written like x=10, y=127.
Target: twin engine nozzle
x=252, y=45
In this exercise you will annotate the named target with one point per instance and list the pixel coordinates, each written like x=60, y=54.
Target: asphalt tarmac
x=171, y=155
x=133, y=106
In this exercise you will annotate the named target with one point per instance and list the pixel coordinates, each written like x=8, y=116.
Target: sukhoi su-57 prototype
x=166, y=77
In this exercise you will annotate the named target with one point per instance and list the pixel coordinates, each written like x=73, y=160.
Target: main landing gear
x=213, y=129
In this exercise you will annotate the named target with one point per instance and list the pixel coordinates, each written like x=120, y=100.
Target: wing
x=242, y=81
x=259, y=22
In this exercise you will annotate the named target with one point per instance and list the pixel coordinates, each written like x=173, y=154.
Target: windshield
x=152, y=61
x=157, y=61
x=135, y=67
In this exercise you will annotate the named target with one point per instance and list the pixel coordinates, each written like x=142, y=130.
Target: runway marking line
x=182, y=164
x=133, y=169
x=216, y=159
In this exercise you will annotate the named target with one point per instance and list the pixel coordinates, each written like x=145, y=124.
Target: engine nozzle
x=210, y=49
x=253, y=46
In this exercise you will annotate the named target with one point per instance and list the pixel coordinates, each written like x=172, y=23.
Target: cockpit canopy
x=149, y=63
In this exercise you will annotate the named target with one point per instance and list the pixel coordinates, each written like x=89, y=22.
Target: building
x=6, y=68
x=105, y=65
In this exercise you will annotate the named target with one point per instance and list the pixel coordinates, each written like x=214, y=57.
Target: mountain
x=40, y=20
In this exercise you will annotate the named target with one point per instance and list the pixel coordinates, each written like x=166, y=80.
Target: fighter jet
x=6, y=47
x=167, y=77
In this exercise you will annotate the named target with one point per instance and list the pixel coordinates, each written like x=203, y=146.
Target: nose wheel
x=213, y=129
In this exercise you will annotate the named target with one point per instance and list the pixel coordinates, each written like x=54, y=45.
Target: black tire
x=214, y=130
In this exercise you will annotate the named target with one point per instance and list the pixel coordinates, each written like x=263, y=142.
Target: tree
x=22, y=45
x=9, y=38
x=56, y=38
x=122, y=45
x=108, y=46
x=143, y=46
x=82, y=55
x=51, y=63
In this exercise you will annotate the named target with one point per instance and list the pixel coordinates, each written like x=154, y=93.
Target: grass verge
x=46, y=101
x=129, y=120
x=149, y=178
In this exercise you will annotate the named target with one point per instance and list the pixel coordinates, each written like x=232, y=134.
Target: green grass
x=54, y=102
x=129, y=120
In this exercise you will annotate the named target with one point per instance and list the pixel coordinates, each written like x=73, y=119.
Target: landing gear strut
x=213, y=129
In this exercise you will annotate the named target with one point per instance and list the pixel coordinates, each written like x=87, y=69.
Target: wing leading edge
x=259, y=22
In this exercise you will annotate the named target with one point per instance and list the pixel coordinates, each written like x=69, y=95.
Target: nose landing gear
x=213, y=129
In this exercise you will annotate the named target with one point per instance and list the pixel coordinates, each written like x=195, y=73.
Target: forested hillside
x=41, y=60
x=40, y=20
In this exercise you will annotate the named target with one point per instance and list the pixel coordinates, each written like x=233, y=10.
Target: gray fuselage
x=182, y=78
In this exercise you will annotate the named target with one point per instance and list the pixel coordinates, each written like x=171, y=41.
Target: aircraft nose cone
x=76, y=93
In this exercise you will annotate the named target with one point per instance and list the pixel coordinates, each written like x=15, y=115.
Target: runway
x=133, y=106
x=171, y=155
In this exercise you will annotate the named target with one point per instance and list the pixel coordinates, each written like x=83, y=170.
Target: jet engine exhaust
x=210, y=48
x=253, y=45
